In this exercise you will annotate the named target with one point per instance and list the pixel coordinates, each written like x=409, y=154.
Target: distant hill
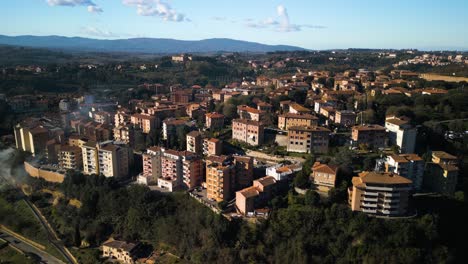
x=142, y=45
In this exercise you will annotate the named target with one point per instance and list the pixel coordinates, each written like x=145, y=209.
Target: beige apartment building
x=194, y=142
x=323, y=176
x=442, y=173
x=250, y=198
x=308, y=139
x=285, y=121
x=345, y=118
x=248, y=131
x=106, y=158
x=218, y=180
x=144, y=121
x=32, y=135
x=384, y=194
x=70, y=158
x=250, y=113
x=214, y=121
x=212, y=146
x=125, y=134
x=374, y=136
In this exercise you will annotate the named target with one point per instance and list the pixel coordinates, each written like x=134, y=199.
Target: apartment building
x=255, y=196
x=374, y=136
x=32, y=135
x=285, y=121
x=145, y=122
x=122, y=117
x=194, y=142
x=212, y=146
x=323, y=176
x=180, y=169
x=113, y=160
x=214, y=121
x=410, y=166
x=250, y=113
x=283, y=172
x=248, y=131
x=308, y=139
x=151, y=166
x=442, y=173
x=219, y=176
x=345, y=118
x=170, y=126
x=244, y=171
x=401, y=133
x=376, y=193
x=90, y=158
x=108, y=158
x=125, y=134
x=70, y=158
x=296, y=108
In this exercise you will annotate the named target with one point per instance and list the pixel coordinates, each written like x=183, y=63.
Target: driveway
x=27, y=248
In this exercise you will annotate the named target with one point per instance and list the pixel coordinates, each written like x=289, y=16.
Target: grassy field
x=9, y=255
x=438, y=77
x=18, y=217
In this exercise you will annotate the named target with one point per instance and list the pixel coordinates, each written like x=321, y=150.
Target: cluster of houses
x=100, y=138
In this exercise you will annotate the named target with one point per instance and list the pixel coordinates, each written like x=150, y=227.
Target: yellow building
x=378, y=193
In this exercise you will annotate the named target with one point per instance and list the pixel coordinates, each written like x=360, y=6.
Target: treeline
x=301, y=229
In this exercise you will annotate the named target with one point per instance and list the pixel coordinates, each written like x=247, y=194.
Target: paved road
x=25, y=247
x=272, y=158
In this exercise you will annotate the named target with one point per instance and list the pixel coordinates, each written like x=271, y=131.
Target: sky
x=312, y=24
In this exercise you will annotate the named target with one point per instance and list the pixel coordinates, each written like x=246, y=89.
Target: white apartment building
x=401, y=133
x=410, y=166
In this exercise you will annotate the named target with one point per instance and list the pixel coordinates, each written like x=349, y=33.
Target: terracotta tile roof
x=443, y=155
x=368, y=127
x=299, y=107
x=299, y=116
x=194, y=134
x=249, y=109
x=324, y=168
x=385, y=178
x=267, y=180
x=309, y=128
x=403, y=158
x=249, y=192
x=247, y=122
x=214, y=115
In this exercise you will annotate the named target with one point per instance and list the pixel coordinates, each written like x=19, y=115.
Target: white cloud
x=91, y=6
x=96, y=32
x=281, y=23
x=157, y=8
x=94, y=9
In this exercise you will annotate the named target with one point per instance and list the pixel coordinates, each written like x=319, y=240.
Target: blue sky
x=428, y=24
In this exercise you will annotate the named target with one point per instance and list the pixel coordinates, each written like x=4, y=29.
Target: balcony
x=369, y=211
x=369, y=205
x=371, y=194
x=368, y=199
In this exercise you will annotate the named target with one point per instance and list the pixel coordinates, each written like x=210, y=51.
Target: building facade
x=308, y=139
x=401, y=133
x=384, y=194
x=248, y=131
x=374, y=136
x=285, y=121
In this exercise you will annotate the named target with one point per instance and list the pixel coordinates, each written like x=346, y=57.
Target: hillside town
x=237, y=148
